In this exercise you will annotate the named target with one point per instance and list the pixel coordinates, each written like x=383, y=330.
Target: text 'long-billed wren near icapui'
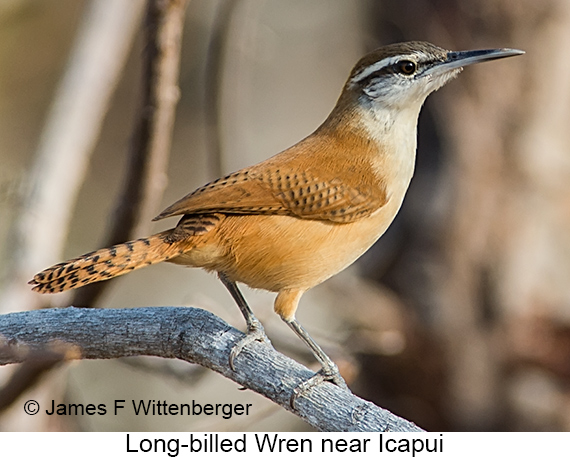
x=301, y=216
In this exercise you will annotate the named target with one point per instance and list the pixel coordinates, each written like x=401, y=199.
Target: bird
x=294, y=220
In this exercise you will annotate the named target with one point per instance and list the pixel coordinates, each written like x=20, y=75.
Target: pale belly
x=280, y=252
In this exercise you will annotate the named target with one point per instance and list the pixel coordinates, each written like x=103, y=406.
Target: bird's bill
x=463, y=58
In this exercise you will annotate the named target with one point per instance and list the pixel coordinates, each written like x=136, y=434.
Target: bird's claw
x=255, y=332
x=330, y=374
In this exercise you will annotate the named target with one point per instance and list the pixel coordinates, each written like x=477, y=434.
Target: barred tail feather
x=106, y=263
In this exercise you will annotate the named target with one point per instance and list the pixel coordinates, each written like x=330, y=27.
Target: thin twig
x=213, y=84
x=148, y=156
x=165, y=22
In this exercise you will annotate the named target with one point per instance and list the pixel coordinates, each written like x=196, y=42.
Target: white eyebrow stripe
x=367, y=71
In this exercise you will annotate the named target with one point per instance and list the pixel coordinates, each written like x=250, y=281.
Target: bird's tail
x=106, y=263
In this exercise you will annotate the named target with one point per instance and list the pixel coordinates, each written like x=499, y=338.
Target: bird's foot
x=255, y=332
x=326, y=374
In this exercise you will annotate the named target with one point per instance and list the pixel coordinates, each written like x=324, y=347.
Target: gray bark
x=193, y=335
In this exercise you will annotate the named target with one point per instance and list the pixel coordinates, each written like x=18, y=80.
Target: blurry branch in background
x=150, y=151
x=196, y=336
x=73, y=124
x=145, y=175
x=148, y=156
x=213, y=84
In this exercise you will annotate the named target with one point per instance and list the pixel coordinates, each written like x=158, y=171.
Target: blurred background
x=457, y=319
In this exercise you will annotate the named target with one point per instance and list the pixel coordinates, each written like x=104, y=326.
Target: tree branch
x=193, y=335
x=148, y=158
x=67, y=141
x=150, y=147
x=213, y=85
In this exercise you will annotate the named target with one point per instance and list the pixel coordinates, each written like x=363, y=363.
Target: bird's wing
x=309, y=196
x=280, y=191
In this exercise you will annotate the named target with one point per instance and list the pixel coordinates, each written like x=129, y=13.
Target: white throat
x=395, y=132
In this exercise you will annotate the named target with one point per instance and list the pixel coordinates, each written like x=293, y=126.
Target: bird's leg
x=328, y=372
x=255, y=331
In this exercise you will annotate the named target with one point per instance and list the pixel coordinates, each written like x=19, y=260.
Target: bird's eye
x=406, y=67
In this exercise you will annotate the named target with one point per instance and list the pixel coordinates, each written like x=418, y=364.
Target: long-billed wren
x=301, y=216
